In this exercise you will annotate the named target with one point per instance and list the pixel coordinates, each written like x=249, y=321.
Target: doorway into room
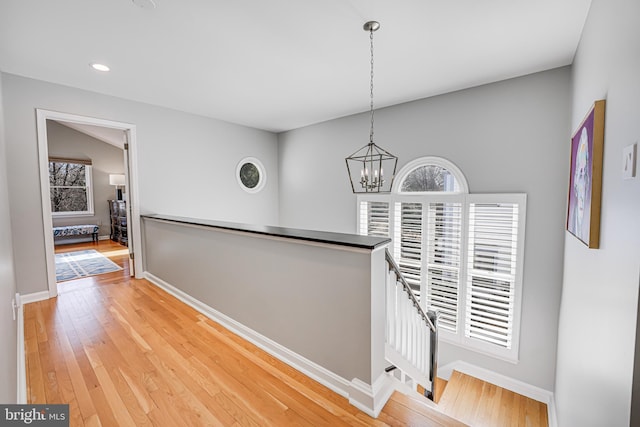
x=89, y=198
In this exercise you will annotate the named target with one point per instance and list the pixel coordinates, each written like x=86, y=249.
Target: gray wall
x=314, y=300
x=597, y=334
x=505, y=137
x=186, y=164
x=8, y=327
x=106, y=159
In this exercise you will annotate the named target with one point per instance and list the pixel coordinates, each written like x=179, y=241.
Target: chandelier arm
x=369, y=149
x=359, y=150
x=383, y=150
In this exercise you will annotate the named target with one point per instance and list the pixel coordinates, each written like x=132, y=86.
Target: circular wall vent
x=251, y=174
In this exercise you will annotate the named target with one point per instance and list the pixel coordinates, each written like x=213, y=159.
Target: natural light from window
x=70, y=187
x=429, y=178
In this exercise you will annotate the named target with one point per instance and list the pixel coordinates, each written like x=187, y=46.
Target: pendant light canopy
x=367, y=166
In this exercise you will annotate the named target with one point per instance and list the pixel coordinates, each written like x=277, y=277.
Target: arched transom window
x=430, y=174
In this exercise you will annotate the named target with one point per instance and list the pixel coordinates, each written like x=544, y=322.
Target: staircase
x=411, y=346
x=417, y=410
x=479, y=403
x=466, y=401
x=411, y=336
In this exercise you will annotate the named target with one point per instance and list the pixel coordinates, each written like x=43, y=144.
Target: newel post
x=433, y=355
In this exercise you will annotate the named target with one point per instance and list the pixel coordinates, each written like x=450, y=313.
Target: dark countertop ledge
x=342, y=239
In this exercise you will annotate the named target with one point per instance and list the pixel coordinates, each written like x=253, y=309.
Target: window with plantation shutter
x=443, y=251
x=408, y=250
x=461, y=253
x=374, y=218
x=493, y=269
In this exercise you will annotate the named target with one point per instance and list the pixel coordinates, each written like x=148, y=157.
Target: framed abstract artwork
x=585, y=178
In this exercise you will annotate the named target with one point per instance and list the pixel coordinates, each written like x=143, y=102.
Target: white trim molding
x=516, y=386
x=35, y=297
x=135, y=237
x=368, y=398
x=21, y=397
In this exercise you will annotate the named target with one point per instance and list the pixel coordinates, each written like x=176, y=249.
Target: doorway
x=120, y=135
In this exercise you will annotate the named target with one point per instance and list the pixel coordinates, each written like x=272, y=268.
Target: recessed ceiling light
x=99, y=67
x=145, y=4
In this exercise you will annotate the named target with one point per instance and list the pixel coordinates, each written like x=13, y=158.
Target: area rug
x=74, y=265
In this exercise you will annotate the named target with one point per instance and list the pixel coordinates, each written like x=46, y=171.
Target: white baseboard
x=21, y=397
x=552, y=415
x=516, y=386
x=34, y=297
x=368, y=398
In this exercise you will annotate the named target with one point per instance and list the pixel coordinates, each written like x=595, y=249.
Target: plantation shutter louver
x=443, y=252
x=491, y=272
x=409, y=243
x=374, y=218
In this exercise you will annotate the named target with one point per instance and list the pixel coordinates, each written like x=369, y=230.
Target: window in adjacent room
x=70, y=187
x=461, y=253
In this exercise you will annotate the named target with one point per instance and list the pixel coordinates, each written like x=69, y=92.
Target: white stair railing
x=411, y=343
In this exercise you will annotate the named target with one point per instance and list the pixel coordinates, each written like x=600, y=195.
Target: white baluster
x=416, y=361
x=398, y=345
x=425, y=348
x=409, y=328
x=418, y=337
x=422, y=356
x=412, y=331
x=400, y=341
x=406, y=332
x=407, y=324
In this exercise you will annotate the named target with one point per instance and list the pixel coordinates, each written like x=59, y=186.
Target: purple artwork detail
x=580, y=180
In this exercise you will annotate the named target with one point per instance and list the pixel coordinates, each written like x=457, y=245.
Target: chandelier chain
x=371, y=86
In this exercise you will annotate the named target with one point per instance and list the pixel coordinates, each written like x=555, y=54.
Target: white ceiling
x=115, y=137
x=283, y=64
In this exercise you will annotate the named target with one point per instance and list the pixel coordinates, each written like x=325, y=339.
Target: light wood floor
x=122, y=352
x=482, y=404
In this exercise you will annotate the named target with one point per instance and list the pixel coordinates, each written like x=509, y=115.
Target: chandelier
x=366, y=167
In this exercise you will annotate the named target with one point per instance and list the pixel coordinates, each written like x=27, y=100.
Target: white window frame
x=458, y=338
x=88, y=171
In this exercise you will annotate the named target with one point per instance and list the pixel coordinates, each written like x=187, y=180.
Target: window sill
x=501, y=355
x=71, y=214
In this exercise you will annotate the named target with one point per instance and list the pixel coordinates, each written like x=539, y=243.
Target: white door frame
x=132, y=177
